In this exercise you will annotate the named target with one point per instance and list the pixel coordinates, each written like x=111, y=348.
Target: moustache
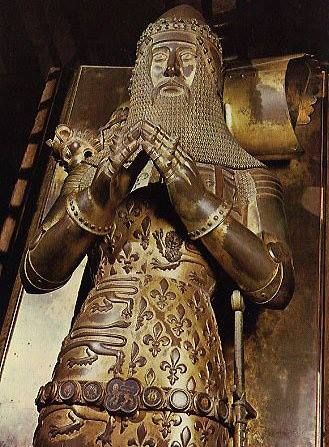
x=174, y=82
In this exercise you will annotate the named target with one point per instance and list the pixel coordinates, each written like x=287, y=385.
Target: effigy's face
x=173, y=67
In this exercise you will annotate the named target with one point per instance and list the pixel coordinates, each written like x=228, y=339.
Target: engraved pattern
x=143, y=314
x=135, y=360
x=195, y=351
x=163, y=295
x=157, y=340
x=89, y=359
x=141, y=439
x=106, y=437
x=75, y=425
x=206, y=430
x=179, y=322
x=185, y=438
x=143, y=234
x=196, y=304
x=104, y=303
x=129, y=213
x=209, y=334
x=128, y=258
x=207, y=377
x=167, y=420
x=174, y=367
x=169, y=245
x=132, y=295
x=150, y=377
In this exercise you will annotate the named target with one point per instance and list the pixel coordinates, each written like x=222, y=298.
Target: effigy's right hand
x=112, y=181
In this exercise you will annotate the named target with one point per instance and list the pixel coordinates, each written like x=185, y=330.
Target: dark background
x=38, y=34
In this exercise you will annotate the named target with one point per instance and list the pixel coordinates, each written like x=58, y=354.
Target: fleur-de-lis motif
x=127, y=258
x=143, y=234
x=124, y=424
x=143, y=314
x=206, y=429
x=167, y=420
x=129, y=213
x=195, y=352
x=197, y=304
x=101, y=269
x=157, y=340
x=163, y=295
x=178, y=322
x=112, y=239
x=209, y=334
x=147, y=279
x=135, y=360
x=174, y=367
x=142, y=440
x=207, y=377
x=185, y=438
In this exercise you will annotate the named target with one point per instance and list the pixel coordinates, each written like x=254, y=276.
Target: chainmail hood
x=199, y=121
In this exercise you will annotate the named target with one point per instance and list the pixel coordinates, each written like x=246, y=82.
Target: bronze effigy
x=166, y=202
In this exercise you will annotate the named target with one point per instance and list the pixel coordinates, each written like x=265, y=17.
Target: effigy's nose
x=172, y=68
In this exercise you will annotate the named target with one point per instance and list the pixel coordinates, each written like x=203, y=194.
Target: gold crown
x=202, y=31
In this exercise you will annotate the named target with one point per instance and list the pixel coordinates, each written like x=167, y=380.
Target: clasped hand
x=186, y=190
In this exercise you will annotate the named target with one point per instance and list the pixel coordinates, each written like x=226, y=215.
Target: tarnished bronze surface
x=273, y=361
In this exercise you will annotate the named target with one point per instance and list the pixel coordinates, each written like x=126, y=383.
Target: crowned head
x=176, y=43
x=176, y=84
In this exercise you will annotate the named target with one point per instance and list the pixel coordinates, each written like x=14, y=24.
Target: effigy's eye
x=187, y=56
x=160, y=56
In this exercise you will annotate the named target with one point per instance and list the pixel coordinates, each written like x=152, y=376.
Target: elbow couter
x=35, y=283
x=278, y=292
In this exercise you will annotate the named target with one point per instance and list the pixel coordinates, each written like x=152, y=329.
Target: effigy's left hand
x=187, y=192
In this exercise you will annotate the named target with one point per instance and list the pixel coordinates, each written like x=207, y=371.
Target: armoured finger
x=136, y=167
x=134, y=132
x=182, y=155
x=128, y=150
x=122, y=154
x=150, y=131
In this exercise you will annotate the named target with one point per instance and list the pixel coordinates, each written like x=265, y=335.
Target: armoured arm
x=261, y=265
x=83, y=212
x=60, y=244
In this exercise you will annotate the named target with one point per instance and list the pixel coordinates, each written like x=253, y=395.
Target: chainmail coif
x=199, y=123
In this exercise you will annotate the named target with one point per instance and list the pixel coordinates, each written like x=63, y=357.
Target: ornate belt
x=125, y=397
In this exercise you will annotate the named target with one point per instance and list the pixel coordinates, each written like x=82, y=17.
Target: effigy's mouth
x=172, y=89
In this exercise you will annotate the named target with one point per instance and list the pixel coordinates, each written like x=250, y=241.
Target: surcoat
x=143, y=359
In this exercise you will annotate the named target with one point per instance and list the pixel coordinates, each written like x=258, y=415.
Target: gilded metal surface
x=266, y=101
x=146, y=268
x=110, y=313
